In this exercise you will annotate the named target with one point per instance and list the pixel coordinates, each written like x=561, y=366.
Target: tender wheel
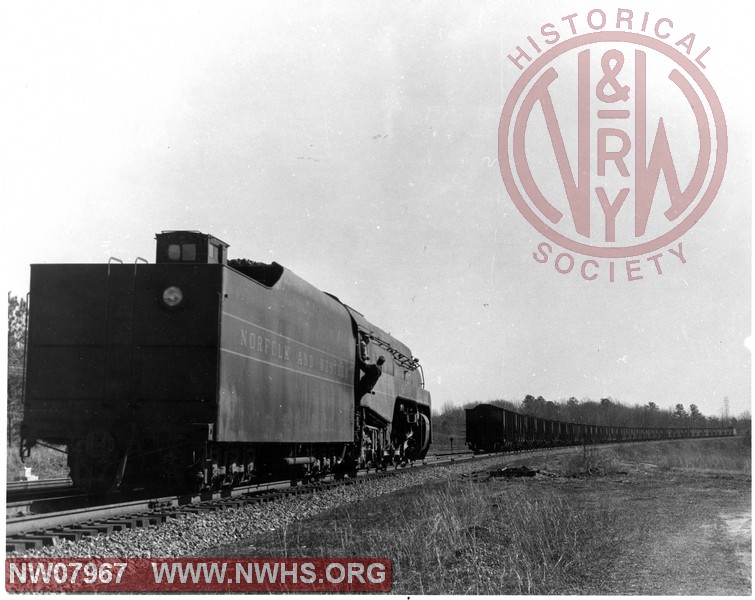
x=96, y=463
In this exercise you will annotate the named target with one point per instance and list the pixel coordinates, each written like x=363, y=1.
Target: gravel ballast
x=190, y=534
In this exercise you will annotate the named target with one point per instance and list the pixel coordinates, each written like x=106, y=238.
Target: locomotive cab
x=191, y=247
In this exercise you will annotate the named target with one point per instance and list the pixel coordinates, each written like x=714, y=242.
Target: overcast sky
x=355, y=143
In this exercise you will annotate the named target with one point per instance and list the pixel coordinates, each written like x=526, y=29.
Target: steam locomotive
x=199, y=372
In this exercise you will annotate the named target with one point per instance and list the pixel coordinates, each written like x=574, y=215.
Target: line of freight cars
x=491, y=428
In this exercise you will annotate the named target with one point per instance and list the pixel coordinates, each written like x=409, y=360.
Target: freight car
x=199, y=372
x=492, y=428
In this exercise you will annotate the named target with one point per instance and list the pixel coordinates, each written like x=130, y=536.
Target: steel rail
x=42, y=523
x=19, y=525
x=39, y=484
x=146, y=510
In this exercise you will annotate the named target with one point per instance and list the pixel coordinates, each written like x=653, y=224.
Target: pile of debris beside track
x=505, y=472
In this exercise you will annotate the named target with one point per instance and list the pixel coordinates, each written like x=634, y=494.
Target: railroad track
x=29, y=491
x=25, y=497
x=34, y=531
x=17, y=487
x=30, y=531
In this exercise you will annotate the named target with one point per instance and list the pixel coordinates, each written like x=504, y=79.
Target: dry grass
x=592, y=461
x=44, y=462
x=460, y=537
x=721, y=455
x=730, y=455
x=604, y=531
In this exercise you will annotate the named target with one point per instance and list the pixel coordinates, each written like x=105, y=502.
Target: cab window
x=184, y=252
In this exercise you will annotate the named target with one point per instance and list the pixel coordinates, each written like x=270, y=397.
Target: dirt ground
x=687, y=532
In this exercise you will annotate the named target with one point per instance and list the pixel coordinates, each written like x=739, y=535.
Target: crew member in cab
x=372, y=373
x=363, y=343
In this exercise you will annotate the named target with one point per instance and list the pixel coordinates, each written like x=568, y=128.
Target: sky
x=356, y=144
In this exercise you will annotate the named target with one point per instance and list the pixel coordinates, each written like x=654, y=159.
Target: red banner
x=198, y=575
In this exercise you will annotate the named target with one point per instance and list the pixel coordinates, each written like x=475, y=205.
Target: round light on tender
x=172, y=296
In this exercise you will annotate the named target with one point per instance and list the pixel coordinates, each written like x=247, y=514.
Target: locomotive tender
x=491, y=428
x=196, y=372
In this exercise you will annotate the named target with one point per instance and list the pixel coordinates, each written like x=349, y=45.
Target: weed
x=592, y=461
x=542, y=535
x=465, y=538
x=45, y=463
x=716, y=454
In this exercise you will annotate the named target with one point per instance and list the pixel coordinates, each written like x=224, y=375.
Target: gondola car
x=491, y=428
